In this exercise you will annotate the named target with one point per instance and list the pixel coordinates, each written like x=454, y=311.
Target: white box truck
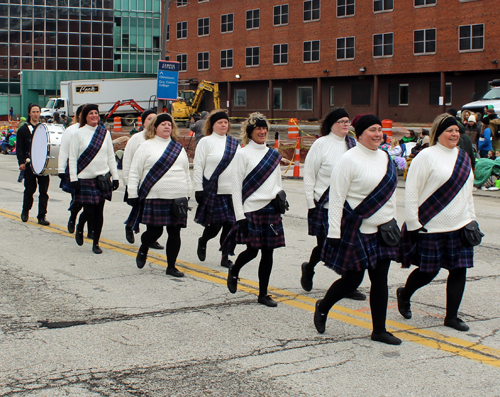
x=105, y=93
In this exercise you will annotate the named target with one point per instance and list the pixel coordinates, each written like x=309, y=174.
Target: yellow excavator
x=189, y=101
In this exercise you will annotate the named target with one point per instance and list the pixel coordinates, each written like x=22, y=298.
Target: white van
x=492, y=97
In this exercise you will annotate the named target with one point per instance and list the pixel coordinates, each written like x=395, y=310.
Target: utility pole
x=163, y=53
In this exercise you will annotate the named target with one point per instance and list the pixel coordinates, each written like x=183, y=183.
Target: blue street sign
x=168, y=80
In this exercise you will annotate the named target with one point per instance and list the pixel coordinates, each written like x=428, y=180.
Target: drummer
x=24, y=135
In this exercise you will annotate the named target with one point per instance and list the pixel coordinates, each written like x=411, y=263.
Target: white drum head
x=39, y=148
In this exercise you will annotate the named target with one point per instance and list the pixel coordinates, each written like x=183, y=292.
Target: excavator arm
x=202, y=87
x=125, y=102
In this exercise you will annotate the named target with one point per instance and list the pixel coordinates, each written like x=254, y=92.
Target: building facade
x=406, y=60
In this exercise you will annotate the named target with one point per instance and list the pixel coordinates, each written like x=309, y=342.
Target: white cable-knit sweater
x=64, y=148
x=245, y=161
x=428, y=172
x=322, y=157
x=358, y=172
x=130, y=149
x=207, y=157
x=174, y=184
x=103, y=162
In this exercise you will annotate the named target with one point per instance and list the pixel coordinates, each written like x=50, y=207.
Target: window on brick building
x=332, y=95
x=203, y=27
x=383, y=45
x=304, y=98
x=183, y=63
x=252, y=56
x=345, y=8
x=280, y=54
x=203, y=60
x=226, y=59
x=471, y=37
x=253, y=19
x=277, y=98
x=240, y=97
x=435, y=93
x=226, y=23
x=424, y=41
x=280, y=15
x=182, y=30
x=345, y=48
x=181, y=3
x=311, y=51
x=419, y=3
x=311, y=10
x=168, y=33
x=360, y=94
x=398, y=94
x=383, y=5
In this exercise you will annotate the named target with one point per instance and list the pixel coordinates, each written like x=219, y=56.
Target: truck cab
x=54, y=105
x=492, y=97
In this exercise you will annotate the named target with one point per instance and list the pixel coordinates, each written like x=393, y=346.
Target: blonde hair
x=465, y=115
x=151, y=129
x=437, y=121
x=208, y=128
x=394, y=143
x=252, y=119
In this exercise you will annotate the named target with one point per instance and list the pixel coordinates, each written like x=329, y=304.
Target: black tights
x=316, y=253
x=212, y=230
x=153, y=233
x=455, y=287
x=351, y=280
x=265, y=266
x=94, y=214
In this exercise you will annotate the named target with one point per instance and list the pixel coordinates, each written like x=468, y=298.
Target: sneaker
x=232, y=281
x=319, y=319
x=386, y=337
x=140, y=259
x=129, y=235
x=456, y=323
x=43, y=221
x=307, y=278
x=71, y=226
x=96, y=249
x=356, y=295
x=25, y=216
x=202, y=250
x=404, y=306
x=79, y=237
x=172, y=271
x=267, y=300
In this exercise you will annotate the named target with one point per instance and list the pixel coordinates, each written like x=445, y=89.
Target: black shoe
x=71, y=226
x=356, y=295
x=226, y=262
x=129, y=235
x=24, y=217
x=202, y=250
x=96, y=249
x=267, y=300
x=43, y=221
x=140, y=259
x=232, y=281
x=404, y=306
x=456, y=323
x=156, y=246
x=172, y=271
x=386, y=337
x=90, y=234
x=319, y=319
x=307, y=278
x=79, y=237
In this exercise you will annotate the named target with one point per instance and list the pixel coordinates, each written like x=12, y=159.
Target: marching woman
x=258, y=201
x=91, y=166
x=158, y=189
x=212, y=176
x=440, y=230
x=362, y=233
x=320, y=161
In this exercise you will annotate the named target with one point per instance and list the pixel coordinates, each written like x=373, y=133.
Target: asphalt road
x=78, y=324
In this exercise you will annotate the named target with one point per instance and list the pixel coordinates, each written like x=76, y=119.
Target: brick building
x=286, y=58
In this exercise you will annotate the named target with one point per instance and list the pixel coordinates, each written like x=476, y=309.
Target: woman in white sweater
x=159, y=184
x=212, y=177
x=438, y=205
x=91, y=155
x=256, y=184
x=362, y=198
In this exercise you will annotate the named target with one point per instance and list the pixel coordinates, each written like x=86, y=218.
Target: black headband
x=146, y=113
x=445, y=124
x=218, y=116
x=161, y=118
x=335, y=116
x=366, y=122
x=258, y=123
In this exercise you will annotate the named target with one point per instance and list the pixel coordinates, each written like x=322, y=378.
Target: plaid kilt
x=90, y=194
x=372, y=248
x=317, y=226
x=265, y=230
x=158, y=212
x=435, y=251
x=222, y=212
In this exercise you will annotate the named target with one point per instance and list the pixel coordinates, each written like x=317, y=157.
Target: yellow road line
x=424, y=337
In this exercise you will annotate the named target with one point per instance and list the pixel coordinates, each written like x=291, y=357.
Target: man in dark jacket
x=23, y=151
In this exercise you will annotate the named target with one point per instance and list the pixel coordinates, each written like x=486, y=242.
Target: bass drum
x=45, y=144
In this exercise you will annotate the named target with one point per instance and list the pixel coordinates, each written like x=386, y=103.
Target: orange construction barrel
x=139, y=122
x=117, y=124
x=293, y=129
x=387, y=129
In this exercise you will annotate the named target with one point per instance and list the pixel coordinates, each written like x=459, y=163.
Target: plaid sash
x=260, y=173
x=94, y=146
x=437, y=202
x=351, y=248
x=160, y=168
x=210, y=187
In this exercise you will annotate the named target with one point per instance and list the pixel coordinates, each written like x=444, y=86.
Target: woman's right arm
x=74, y=153
x=312, y=165
x=135, y=173
x=238, y=177
x=200, y=157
